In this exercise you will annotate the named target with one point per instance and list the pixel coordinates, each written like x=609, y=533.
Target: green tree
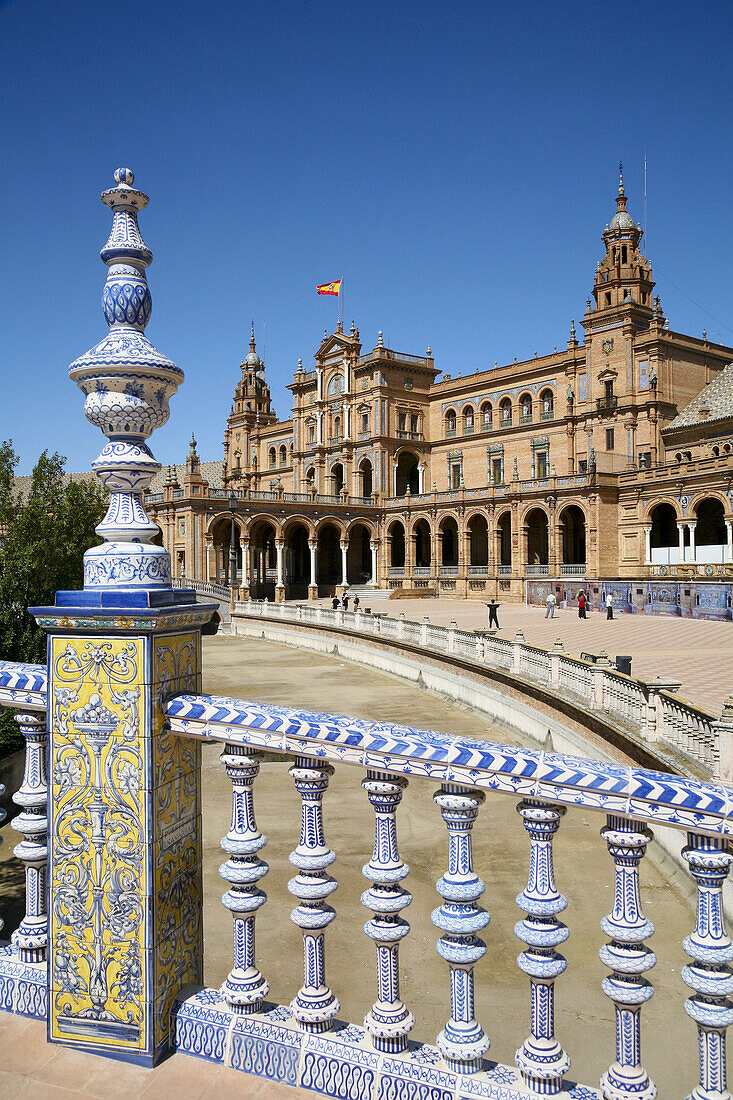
x=43, y=536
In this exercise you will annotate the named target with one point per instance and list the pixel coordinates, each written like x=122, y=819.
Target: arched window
x=547, y=403
x=283, y=455
x=486, y=416
x=450, y=422
x=525, y=404
x=310, y=477
x=467, y=419
x=336, y=429
x=272, y=455
x=506, y=412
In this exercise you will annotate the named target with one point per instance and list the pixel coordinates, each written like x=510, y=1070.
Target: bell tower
x=624, y=276
x=250, y=411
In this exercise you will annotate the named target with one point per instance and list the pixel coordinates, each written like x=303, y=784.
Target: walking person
x=493, y=607
x=581, y=605
x=551, y=600
x=609, y=605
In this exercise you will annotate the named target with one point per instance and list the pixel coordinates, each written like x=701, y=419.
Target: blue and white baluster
x=315, y=1005
x=462, y=1042
x=541, y=1060
x=709, y=974
x=389, y=1022
x=627, y=958
x=31, y=935
x=245, y=987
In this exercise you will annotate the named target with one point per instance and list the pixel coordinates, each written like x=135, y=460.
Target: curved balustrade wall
x=643, y=720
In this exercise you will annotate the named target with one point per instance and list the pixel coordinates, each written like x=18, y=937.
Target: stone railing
x=649, y=709
x=304, y=1043
x=204, y=588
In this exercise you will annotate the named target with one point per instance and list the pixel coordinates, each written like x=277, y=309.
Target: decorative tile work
x=613, y=788
x=22, y=685
x=98, y=873
x=23, y=986
x=341, y=1063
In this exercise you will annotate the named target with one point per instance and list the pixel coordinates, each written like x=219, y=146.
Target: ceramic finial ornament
x=127, y=384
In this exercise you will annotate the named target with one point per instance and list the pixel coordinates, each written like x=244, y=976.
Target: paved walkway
x=698, y=652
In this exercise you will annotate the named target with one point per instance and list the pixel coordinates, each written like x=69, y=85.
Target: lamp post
x=233, y=541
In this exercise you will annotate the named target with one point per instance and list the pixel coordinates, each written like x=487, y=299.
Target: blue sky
x=456, y=163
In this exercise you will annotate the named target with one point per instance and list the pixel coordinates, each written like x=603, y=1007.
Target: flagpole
x=343, y=318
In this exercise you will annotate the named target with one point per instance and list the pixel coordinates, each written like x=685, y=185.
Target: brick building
x=605, y=464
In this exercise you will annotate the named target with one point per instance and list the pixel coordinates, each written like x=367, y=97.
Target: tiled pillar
x=125, y=932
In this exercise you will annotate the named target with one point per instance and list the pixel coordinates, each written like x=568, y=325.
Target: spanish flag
x=330, y=288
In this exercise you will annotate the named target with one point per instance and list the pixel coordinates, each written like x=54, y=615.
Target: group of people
x=551, y=601
x=343, y=603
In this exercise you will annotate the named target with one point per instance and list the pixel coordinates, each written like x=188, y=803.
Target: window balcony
x=336, y=440
x=607, y=404
x=505, y=570
x=450, y=433
x=402, y=433
x=485, y=425
x=537, y=570
x=549, y=415
x=525, y=418
x=468, y=429
x=572, y=570
x=449, y=570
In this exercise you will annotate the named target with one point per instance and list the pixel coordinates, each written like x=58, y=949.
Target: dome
x=622, y=220
x=253, y=360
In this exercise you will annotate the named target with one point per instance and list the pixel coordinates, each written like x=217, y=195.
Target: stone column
x=280, y=575
x=681, y=539
x=125, y=934
x=245, y=563
x=208, y=560
x=313, y=585
x=344, y=549
x=375, y=578
x=729, y=534
x=693, y=549
x=647, y=544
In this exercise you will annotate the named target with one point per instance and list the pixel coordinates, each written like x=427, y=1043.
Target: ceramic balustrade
x=466, y=770
x=535, y=663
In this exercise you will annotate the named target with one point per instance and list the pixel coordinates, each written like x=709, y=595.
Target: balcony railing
x=335, y=441
x=576, y=570
x=450, y=433
x=478, y=570
x=485, y=425
x=468, y=429
x=505, y=570
x=606, y=403
x=449, y=570
x=402, y=433
x=550, y=415
x=234, y=1025
x=423, y=570
x=525, y=418
x=396, y=570
x=537, y=570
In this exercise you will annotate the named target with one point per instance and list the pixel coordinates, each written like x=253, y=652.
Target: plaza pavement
x=697, y=652
x=254, y=669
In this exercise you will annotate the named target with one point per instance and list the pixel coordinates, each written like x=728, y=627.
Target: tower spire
x=252, y=337
x=127, y=384
x=620, y=177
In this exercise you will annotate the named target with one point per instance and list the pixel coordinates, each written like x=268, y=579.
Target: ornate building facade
x=603, y=465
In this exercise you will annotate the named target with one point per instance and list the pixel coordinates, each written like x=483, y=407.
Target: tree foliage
x=43, y=535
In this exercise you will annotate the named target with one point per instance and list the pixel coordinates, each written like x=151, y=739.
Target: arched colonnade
x=695, y=531
x=297, y=556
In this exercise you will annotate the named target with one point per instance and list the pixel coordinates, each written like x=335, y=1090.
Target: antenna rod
x=646, y=242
